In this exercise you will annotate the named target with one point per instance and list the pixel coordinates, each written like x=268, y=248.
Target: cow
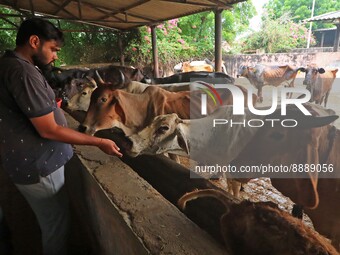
x=64, y=81
x=262, y=228
x=309, y=149
x=188, y=67
x=190, y=76
x=81, y=100
x=313, y=143
x=319, y=82
x=261, y=75
x=131, y=112
x=168, y=133
x=196, y=63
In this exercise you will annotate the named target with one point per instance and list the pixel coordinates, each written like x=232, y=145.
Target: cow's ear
x=335, y=71
x=314, y=122
x=321, y=70
x=182, y=141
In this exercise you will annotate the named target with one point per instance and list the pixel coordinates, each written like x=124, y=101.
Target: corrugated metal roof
x=118, y=14
x=332, y=17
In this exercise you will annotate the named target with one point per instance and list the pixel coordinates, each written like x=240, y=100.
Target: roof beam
x=126, y=9
x=61, y=7
x=79, y=10
x=55, y=4
x=190, y=3
x=32, y=7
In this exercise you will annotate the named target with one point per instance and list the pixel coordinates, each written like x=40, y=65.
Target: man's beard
x=38, y=60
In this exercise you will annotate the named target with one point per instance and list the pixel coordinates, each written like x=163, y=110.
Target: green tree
x=302, y=9
x=278, y=35
x=190, y=37
x=8, y=30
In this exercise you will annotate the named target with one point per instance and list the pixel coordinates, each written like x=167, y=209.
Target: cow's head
x=81, y=100
x=312, y=72
x=104, y=110
x=244, y=70
x=166, y=133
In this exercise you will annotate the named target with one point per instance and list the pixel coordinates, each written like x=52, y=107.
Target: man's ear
x=34, y=41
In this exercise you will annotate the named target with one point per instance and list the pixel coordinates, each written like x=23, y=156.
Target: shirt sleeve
x=31, y=92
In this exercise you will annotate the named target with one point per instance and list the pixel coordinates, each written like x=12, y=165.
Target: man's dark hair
x=44, y=29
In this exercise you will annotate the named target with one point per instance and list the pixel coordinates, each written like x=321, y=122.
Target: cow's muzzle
x=82, y=128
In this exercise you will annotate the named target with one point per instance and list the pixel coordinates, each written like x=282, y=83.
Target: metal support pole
x=120, y=47
x=337, y=38
x=218, y=40
x=310, y=26
x=154, y=51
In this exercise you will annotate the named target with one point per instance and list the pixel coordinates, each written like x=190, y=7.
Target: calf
x=262, y=228
x=262, y=75
x=319, y=82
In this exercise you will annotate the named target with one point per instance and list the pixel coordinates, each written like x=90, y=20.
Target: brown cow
x=111, y=108
x=261, y=75
x=187, y=67
x=318, y=193
x=319, y=82
x=262, y=228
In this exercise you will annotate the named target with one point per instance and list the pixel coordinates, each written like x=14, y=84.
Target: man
x=35, y=142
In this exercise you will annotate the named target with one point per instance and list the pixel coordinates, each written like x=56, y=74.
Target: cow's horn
x=94, y=83
x=122, y=77
x=99, y=77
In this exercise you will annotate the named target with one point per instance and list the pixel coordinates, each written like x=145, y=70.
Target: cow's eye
x=162, y=130
x=84, y=93
x=103, y=99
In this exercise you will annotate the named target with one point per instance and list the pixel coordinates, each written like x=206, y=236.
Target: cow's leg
x=234, y=187
x=259, y=94
x=290, y=85
x=326, y=97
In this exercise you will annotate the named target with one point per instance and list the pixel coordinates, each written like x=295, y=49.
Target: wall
x=232, y=62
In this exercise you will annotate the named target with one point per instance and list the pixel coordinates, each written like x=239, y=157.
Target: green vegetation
x=180, y=39
x=278, y=35
x=301, y=9
x=190, y=37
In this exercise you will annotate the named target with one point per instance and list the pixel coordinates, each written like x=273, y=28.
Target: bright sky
x=256, y=21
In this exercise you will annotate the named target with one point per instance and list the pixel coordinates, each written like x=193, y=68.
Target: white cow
x=197, y=138
x=210, y=145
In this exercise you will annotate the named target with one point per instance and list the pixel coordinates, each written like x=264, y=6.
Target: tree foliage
x=278, y=35
x=186, y=38
x=302, y=9
x=190, y=37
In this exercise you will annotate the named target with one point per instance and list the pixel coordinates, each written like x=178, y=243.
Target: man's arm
x=49, y=129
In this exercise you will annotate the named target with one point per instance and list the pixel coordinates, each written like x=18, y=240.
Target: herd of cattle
x=154, y=114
